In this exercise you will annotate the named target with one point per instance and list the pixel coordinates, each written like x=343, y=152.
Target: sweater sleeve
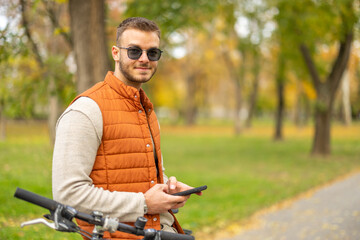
x=78, y=136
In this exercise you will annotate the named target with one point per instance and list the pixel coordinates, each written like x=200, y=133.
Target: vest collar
x=128, y=92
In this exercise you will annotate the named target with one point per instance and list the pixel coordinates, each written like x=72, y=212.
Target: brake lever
x=38, y=221
x=59, y=222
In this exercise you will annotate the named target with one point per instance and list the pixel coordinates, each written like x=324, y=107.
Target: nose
x=144, y=57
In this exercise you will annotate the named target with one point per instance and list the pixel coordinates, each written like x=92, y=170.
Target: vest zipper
x=152, y=140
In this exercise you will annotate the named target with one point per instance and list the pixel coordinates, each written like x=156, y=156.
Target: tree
x=247, y=47
x=326, y=89
x=51, y=76
x=57, y=76
x=87, y=20
x=307, y=24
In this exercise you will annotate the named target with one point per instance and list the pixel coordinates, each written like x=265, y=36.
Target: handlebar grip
x=36, y=199
x=175, y=236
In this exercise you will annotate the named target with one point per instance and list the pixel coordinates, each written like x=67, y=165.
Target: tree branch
x=339, y=66
x=341, y=61
x=311, y=66
x=55, y=22
x=25, y=24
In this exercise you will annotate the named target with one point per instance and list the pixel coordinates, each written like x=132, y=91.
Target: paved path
x=332, y=212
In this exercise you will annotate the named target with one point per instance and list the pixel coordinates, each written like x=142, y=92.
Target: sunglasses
x=135, y=53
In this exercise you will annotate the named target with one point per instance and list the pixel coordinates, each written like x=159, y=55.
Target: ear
x=115, y=53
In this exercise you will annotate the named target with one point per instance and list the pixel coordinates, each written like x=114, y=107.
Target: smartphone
x=190, y=191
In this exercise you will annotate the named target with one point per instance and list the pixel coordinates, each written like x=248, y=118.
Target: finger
x=164, y=188
x=177, y=199
x=161, y=187
x=186, y=197
x=179, y=205
x=172, y=183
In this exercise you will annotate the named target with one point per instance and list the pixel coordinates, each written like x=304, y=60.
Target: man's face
x=136, y=72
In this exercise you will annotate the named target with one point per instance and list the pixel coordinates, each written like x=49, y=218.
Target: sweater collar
x=127, y=91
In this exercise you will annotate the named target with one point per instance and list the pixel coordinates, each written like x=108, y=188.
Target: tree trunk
x=356, y=113
x=237, y=78
x=54, y=50
x=2, y=125
x=239, y=83
x=281, y=99
x=326, y=92
x=53, y=109
x=190, y=111
x=323, y=111
x=321, y=143
x=255, y=89
x=298, y=105
x=238, y=105
x=345, y=100
x=89, y=41
x=279, y=111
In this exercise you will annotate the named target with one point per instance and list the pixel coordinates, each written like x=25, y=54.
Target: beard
x=125, y=69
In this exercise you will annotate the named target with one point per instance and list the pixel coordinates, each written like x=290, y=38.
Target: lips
x=143, y=68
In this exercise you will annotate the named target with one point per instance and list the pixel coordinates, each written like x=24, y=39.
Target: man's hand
x=176, y=186
x=158, y=199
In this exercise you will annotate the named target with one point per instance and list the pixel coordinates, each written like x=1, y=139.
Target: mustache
x=143, y=65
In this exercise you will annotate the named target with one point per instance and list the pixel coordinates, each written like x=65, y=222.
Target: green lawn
x=244, y=174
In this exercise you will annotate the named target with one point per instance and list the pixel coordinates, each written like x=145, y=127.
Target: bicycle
x=62, y=217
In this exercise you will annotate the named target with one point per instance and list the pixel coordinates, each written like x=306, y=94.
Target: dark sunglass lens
x=154, y=54
x=134, y=53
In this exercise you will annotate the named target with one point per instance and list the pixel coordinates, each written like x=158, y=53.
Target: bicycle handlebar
x=52, y=205
x=36, y=199
x=174, y=236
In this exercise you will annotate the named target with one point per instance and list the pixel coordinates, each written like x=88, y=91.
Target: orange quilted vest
x=125, y=159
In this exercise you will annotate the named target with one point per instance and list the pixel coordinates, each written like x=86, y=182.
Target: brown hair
x=138, y=23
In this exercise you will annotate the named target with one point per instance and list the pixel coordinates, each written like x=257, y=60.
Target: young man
x=107, y=153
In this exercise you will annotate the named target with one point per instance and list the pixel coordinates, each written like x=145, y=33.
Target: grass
x=250, y=172
x=244, y=174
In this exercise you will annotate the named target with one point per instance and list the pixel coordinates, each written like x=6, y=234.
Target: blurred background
x=269, y=87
